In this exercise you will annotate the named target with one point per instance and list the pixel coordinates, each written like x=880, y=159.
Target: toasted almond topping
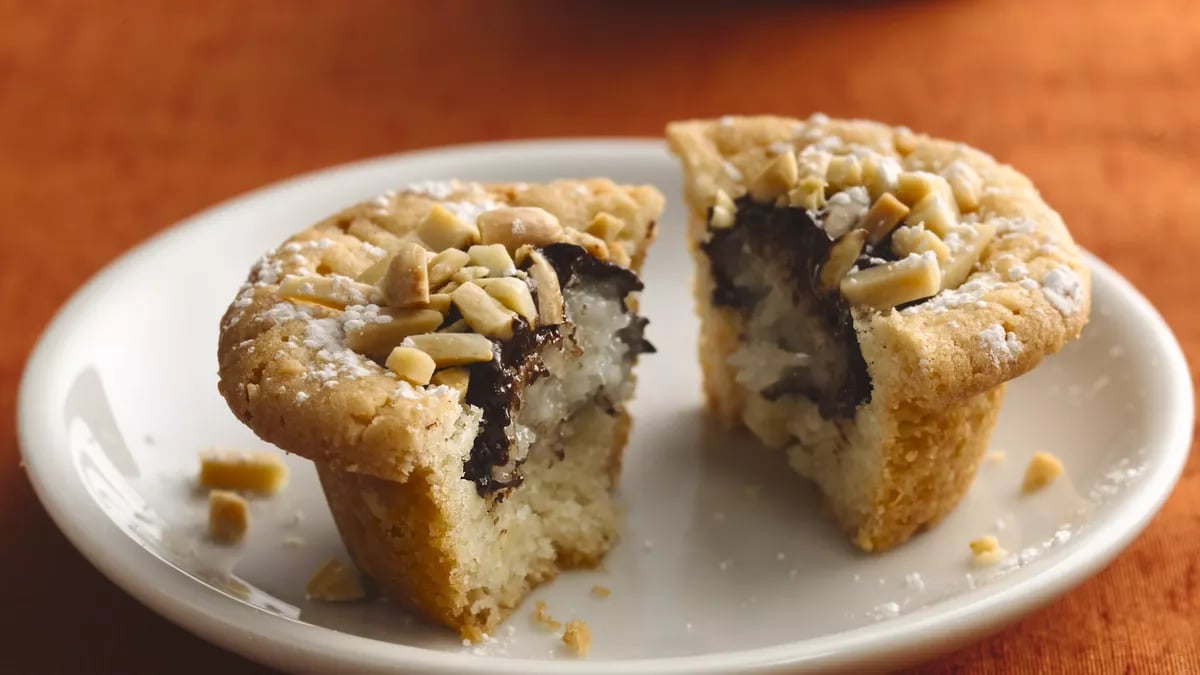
x=895, y=283
x=842, y=255
x=606, y=226
x=455, y=378
x=965, y=183
x=515, y=226
x=258, y=471
x=439, y=302
x=618, y=255
x=374, y=234
x=777, y=177
x=843, y=171
x=458, y=326
x=406, y=283
x=374, y=274
x=907, y=240
x=494, y=257
x=440, y=229
x=549, y=295
x=913, y=186
x=378, y=339
x=514, y=294
x=938, y=213
x=470, y=273
x=448, y=288
x=880, y=174
x=335, y=292
x=724, y=212
x=986, y=551
x=483, y=313
x=966, y=244
x=808, y=194
x=228, y=516
x=411, y=365
x=884, y=215
x=443, y=266
x=594, y=246
x=454, y=349
x=334, y=582
x=904, y=140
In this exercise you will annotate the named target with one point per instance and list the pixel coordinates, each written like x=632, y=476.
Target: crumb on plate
x=543, y=618
x=997, y=456
x=986, y=551
x=1043, y=469
x=256, y=470
x=601, y=592
x=334, y=582
x=228, y=516
x=578, y=637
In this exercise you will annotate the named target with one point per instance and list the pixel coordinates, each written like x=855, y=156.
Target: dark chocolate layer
x=789, y=237
x=498, y=385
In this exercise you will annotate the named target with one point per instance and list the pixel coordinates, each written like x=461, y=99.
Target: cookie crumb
x=228, y=516
x=986, y=551
x=1043, y=469
x=600, y=592
x=578, y=637
x=334, y=582
x=997, y=456
x=256, y=471
x=543, y=618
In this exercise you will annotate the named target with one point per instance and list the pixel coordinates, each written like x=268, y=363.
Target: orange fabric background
x=119, y=117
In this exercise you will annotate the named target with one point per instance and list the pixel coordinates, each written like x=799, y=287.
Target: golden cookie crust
x=937, y=368
x=284, y=373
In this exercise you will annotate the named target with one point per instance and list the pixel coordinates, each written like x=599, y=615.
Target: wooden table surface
x=119, y=117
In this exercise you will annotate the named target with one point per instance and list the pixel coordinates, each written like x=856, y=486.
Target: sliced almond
x=549, y=295
x=228, y=516
x=896, y=283
x=884, y=215
x=880, y=174
x=844, y=210
x=406, y=283
x=374, y=234
x=470, y=273
x=777, y=177
x=606, y=226
x=843, y=171
x=938, y=212
x=724, y=212
x=440, y=229
x=515, y=226
x=514, y=294
x=965, y=184
x=913, y=186
x=841, y=259
x=374, y=274
x=618, y=255
x=455, y=378
x=494, y=257
x=483, y=313
x=443, y=265
x=966, y=244
x=459, y=326
x=454, y=349
x=439, y=302
x=411, y=365
x=594, y=245
x=907, y=240
x=332, y=291
x=808, y=194
x=378, y=339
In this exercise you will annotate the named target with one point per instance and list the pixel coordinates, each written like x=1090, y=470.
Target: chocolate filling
x=497, y=386
x=788, y=236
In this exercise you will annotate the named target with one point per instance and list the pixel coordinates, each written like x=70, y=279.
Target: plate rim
x=284, y=642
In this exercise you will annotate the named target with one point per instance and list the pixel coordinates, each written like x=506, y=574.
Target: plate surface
x=726, y=562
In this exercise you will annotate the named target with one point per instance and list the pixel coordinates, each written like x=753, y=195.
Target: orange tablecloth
x=118, y=118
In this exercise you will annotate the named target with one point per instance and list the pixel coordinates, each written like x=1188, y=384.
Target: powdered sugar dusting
x=1000, y=346
x=731, y=171
x=1063, y=290
x=969, y=293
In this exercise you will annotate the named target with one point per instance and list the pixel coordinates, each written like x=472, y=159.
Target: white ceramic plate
x=726, y=562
